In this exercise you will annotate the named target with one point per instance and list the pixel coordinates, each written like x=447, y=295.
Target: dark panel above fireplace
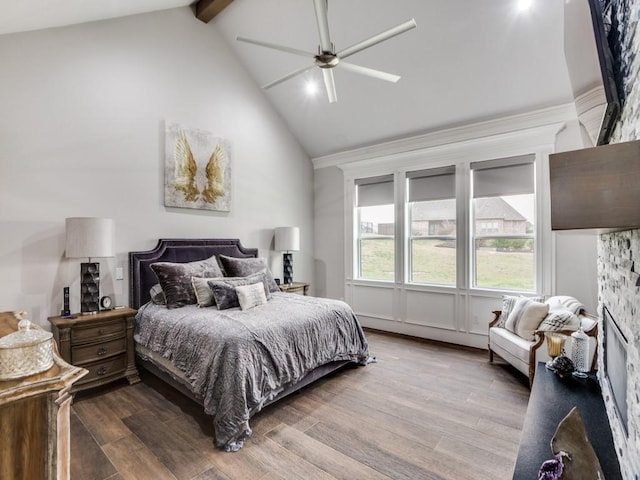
x=596, y=188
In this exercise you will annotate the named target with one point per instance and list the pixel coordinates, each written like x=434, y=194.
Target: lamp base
x=89, y=288
x=287, y=273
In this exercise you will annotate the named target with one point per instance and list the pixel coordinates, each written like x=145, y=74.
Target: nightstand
x=102, y=343
x=300, y=288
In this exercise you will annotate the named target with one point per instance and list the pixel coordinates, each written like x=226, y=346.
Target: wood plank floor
x=424, y=411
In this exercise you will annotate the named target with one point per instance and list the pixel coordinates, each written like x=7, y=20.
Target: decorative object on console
x=25, y=352
x=571, y=438
x=88, y=237
x=287, y=240
x=197, y=169
x=580, y=353
x=555, y=344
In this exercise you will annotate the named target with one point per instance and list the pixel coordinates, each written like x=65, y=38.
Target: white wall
x=82, y=134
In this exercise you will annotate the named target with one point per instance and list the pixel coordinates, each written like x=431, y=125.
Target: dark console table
x=552, y=398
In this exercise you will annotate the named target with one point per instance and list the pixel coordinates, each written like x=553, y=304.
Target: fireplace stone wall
x=619, y=291
x=619, y=253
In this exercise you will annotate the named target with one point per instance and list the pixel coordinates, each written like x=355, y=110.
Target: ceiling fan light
x=311, y=88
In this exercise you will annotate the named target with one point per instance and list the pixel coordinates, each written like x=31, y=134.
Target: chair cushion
x=510, y=342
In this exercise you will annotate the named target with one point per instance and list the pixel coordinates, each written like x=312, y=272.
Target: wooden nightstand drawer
x=101, y=343
x=301, y=288
x=98, y=351
x=103, y=370
x=97, y=331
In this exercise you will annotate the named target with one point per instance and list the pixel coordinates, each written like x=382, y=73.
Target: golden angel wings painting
x=197, y=170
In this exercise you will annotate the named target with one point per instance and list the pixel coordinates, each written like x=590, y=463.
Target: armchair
x=523, y=353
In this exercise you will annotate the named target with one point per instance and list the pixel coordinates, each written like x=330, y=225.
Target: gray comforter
x=235, y=360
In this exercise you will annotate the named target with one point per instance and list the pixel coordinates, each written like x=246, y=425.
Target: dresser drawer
x=105, y=369
x=97, y=331
x=98, y=351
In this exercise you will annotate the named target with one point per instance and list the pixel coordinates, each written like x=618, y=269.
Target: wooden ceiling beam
x=207, y=9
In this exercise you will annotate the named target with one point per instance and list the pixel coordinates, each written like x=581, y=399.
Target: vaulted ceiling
x=467, y=60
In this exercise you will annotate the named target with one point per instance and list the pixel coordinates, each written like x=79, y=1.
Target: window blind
x=506, y=176
x=375, y=191
x=432, y=184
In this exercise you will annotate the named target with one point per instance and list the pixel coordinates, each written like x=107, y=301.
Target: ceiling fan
x=328, y=59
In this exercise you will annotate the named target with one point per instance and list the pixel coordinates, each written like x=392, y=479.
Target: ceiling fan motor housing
x=327, y=60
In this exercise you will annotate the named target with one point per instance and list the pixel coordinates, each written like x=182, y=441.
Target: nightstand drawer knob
x=101, y=351
x=102, y=370
x=101, y=331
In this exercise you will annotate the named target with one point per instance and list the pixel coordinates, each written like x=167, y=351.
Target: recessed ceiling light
x=524, y=5
x=311, y=88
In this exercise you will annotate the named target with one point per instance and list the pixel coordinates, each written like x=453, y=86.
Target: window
x=503, y=224
x=376, y=228
x=432, y=226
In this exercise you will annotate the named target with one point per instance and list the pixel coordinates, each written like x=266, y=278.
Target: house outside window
x=503, y=224
x=375, y=214
x=431, y=206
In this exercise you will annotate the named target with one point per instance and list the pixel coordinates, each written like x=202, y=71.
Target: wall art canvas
x=197, y=169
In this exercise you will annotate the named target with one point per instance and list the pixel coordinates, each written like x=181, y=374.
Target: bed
x=235, y=362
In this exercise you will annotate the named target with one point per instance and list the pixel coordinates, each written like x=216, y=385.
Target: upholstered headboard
x=142, y=278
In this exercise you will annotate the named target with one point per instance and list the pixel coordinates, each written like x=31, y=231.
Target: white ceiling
x=467, y=61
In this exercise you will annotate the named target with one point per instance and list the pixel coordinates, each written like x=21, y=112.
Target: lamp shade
x=89, y=237
x=287, y=239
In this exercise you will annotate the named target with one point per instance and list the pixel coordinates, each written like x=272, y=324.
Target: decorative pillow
x=224, y=290
x=241, y=267
x=560, y=319
x=565, y=302
x=525, y=317
x=175, y=279
x=250, y=296
x=571, y=439
x=508, y=302
x=204, y=296
x=157, y=296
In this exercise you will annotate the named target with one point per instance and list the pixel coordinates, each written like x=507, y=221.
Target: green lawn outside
x=436, y=264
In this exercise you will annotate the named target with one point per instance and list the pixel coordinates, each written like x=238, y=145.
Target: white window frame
x=474, y=236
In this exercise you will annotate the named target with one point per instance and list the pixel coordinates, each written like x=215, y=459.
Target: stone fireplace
x=619, y=365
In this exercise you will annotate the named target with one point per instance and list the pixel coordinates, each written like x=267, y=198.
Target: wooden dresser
x=102, y=343
x=34, y=419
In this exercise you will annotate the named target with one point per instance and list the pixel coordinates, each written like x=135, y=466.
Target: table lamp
x=287, y=240
x=89, y=237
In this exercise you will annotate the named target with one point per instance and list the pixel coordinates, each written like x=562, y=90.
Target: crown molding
x=455, y=135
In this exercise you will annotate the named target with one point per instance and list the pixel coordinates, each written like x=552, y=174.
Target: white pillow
x=565, y=302
x=250, y=296
x=204, y=295
x=560, y=319
x=525, y=317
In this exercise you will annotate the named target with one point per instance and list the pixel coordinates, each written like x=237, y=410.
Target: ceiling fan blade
x=389, y=77
x=323, y=24
x=287, y=77
x=380, y=37
x=274, y=46
x=330, y=84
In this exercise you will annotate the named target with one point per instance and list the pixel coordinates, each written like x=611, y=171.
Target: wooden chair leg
x=490, y=356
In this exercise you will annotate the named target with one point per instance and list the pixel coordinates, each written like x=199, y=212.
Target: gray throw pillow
x=241, y=267
x=224, y=291
x=175, y=279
